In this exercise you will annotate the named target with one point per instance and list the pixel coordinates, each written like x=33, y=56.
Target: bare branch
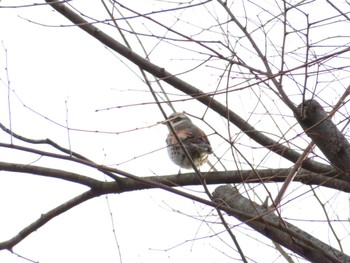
x=183, y=86
x=44, y=218
x=50, y=172
x=292, y=174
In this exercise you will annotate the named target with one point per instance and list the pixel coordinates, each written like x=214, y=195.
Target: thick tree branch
x=286, y=234
x=257, y=176
x=325, y=134
x=132, y=183
x=328, y=180
x=183, y=86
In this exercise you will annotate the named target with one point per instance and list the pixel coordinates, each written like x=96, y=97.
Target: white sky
x=49, y=66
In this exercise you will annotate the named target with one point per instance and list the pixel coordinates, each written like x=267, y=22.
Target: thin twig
x=293, y=172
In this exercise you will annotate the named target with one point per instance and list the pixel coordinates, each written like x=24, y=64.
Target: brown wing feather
x=193, y=136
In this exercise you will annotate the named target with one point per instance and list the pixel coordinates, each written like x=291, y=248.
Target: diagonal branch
x=268, y=224
x=325, y=134
x=44, y=218
x=183, y=86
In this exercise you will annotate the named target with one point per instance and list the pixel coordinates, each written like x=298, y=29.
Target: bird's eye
x=177, y=119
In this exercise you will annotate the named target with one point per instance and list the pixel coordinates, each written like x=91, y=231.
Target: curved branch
x=44, y=141
x=44, y=218
x=50, y=172
x=71, y=155
x=183, y=86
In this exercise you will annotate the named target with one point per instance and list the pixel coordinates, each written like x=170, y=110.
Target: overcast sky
x=61, y=76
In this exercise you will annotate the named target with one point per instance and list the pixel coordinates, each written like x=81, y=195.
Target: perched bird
x=194, y=140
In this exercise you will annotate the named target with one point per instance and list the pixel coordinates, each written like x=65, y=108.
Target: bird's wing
x=193, y=135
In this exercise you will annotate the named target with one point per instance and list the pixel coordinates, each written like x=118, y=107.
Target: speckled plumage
x=193, y=138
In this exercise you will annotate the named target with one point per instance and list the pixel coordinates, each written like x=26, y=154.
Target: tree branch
x=190, y=90
x=269, y=225
x=168, y=183
x=303, y=176
x=325, y=134
x=49, y=172
x=44, y=218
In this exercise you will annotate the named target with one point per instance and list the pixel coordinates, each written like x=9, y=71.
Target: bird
x=193, y=139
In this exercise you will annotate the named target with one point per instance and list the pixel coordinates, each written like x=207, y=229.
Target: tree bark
x=270, y=225
x=325, y=134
